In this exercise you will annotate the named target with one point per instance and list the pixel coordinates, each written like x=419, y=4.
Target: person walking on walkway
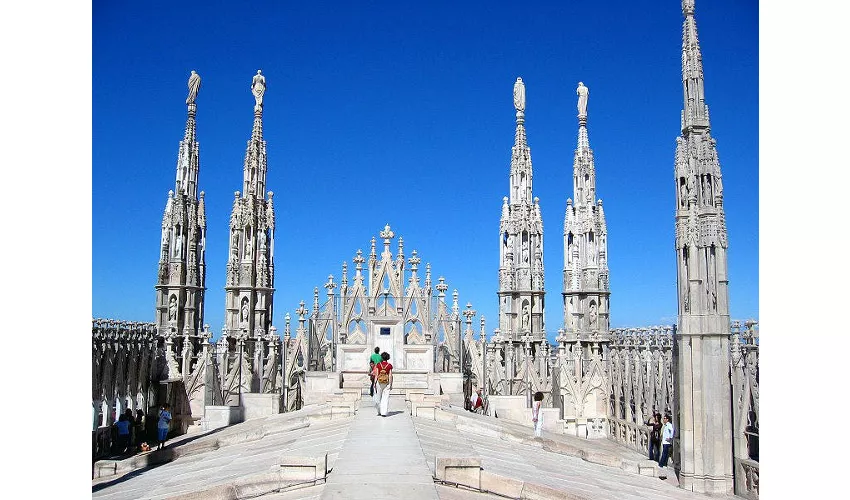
x=374, y=359
x=536, y=414
x=162, y=425
x=384, y=381
x=655, y=437
x=666, y=444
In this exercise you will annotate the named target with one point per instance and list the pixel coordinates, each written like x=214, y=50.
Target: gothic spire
x=695, y=112
x=182, y=270
x=254, y=181
x=521, y=272
x=521, y=173
x=187, y=156
x=586, y=292
x=250, y=269
x=584, y=171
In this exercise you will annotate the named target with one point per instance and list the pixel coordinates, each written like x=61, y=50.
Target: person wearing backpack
x=383, y=373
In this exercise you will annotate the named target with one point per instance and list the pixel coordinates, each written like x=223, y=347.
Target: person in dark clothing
x=654, y=437
x=123, y=426
x=141, y=435
x=131, y=420
x=667, y=432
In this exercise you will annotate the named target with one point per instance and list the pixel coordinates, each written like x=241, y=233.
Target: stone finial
x=301, y=311
x=414, y=261
x=258, y=88
x=519, y=97
x=688, y=7
x=583, y=94
x=442, y=286
x=194, y=86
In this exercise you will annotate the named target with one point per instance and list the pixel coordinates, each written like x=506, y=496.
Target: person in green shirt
x=376, y=356
x=374, y=359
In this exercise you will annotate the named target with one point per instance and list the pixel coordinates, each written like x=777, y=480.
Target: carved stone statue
x=258, y=88
x=582, y=93
x=172, y=308
x=525, y=317
x=519, y=95
x=591, y=252
x=593, y=316
x=244, y=316
x=234, y=248
x=194, y=86
x=691, y=186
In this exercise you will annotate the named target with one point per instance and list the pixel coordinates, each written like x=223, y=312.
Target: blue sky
x=401, y=113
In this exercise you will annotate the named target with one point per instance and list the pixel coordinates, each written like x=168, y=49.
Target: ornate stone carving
x=583, y=94
x=258, y=88
x=194, y=85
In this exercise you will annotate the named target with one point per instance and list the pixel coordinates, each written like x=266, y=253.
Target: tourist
x=151, y=420
x=374, y=359
x=140, y=427
x=536, y=415
x=123, y=426
x=476, y=402
x=131, y=421
x=666, y=444
x=384, y=378
x=654, y=436
x=162, y=425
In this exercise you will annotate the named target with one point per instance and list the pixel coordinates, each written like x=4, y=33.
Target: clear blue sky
x=401, y=113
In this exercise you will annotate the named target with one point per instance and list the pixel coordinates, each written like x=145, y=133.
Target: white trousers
x=383, y=398
x=538, y=426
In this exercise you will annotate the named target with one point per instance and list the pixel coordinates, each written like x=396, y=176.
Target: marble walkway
x=378, y=458
x=381, y=458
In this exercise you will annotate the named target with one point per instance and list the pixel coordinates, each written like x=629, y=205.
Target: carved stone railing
x=632, y=435
x=744, y=345
x=124, y=359
x=640, y=374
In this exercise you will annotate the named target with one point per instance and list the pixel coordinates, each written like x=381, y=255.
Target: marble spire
x=703, y=420
x=521, y=289
x=586, y=294
x=250, y=268
x=181, y=280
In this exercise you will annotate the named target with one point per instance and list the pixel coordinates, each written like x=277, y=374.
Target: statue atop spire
x=258, y=88
x=582, y=93
x=688, y=7
x=194, y=86
x=519, y=96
